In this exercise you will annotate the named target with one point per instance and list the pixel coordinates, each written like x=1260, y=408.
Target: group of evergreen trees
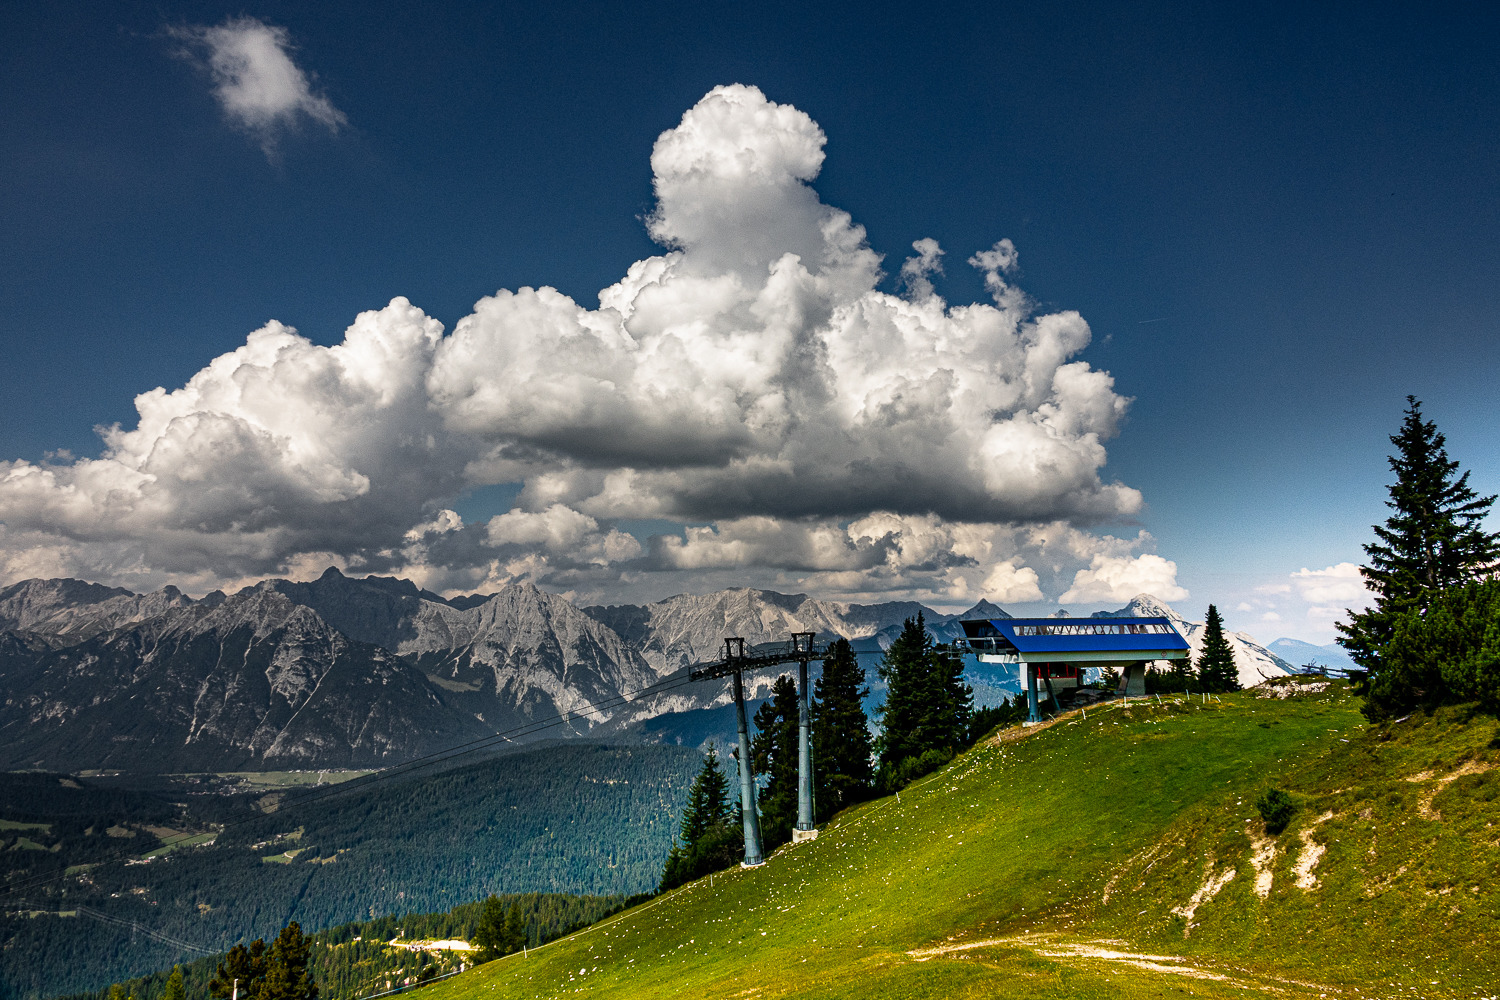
x=1433, y=633
x=843, y=773
x=355, y=960
x=709, y=838
x=499, y=931
x=278, y=972
x=928, y=707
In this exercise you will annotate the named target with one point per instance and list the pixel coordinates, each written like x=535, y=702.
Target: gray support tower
x=748, y=810
x=805, y=829
x=734, y=660
x=1033, y=714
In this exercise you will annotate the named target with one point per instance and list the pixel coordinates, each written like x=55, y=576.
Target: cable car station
x=1056, y=651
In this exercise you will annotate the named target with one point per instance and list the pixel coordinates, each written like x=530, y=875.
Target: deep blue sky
x=1278, y=219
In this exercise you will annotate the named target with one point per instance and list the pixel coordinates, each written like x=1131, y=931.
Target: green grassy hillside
x=1092, y=859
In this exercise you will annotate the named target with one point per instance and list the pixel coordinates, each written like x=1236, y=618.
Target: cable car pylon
x=734, y=660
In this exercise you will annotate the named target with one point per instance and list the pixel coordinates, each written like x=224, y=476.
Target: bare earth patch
x=1263, y=860
x=1212, y=885
x=1424, y=804
x=1107, y=951
x=1312, y=853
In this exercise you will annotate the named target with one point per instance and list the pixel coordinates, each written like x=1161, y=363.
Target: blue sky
x=1276, y=221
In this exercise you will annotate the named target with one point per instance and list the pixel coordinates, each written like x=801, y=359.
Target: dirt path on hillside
x=1440, y=782
x=1107, y=951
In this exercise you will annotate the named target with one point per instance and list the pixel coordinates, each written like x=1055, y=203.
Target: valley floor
x=1114, y=855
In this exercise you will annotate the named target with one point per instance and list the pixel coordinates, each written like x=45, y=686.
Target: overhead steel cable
x=403, y=769
x=158, y=936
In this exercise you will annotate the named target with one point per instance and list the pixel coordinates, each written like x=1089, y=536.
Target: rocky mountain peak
x=24, y=605
x=985, y=609
x=1144, y=606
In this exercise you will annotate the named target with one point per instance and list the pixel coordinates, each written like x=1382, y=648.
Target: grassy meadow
x=1114, y=855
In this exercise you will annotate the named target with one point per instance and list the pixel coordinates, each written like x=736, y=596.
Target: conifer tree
x=1180, y=675
x=907, y=673
x=708, y=800
x=773, y=752
x=841, y=743
x=490, y=939
x=287, y=975
x=1216, y=669
x=248, y=966
x=515, y=928
x=174, y=989
x=1433, y=540
x=953, y=709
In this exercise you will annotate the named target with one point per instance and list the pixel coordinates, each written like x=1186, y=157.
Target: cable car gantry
x=734, y=660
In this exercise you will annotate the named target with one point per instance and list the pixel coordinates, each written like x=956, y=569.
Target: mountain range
x=343, y=672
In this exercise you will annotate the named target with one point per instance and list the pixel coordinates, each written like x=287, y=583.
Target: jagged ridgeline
x=567, y=817
x=367, y=673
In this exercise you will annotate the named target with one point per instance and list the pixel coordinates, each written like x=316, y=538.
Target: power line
x=401, y=770
x=166, y=939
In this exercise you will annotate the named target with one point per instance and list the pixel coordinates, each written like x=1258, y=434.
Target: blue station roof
x=1033, y=638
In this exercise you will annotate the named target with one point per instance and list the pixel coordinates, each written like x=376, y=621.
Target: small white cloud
x=561, y=534
x=1009, y=582
x=1119, y=578
x=916, y=272
x=1001, y=259
x=1341, y=583
x=1270, y=616
x=443, y=523
x=255, y=80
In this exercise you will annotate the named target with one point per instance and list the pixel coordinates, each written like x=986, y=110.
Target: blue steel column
x=804, y=752
x=747, y=780
x=1033, y=714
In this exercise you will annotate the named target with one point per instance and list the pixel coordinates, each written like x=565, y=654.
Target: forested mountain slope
x=568, y=817
x=1118, y=855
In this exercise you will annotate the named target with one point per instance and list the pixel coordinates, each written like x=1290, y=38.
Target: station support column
x=1033, y=713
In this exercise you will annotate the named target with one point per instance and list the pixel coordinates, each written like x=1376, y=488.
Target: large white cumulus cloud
x=752, y=379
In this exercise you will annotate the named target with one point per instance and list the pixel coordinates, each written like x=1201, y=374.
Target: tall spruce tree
x=1433, y=540
x=841, y=743
x=515, y=928
x=287, y=975
x=490, y=939
x=773, y=751
x=708, y=800
x=953, y=709
x=174, y=990
x=907, y=672
x=1216, y=669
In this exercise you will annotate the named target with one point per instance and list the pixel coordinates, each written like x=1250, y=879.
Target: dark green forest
x=363, y=957
x=575, y=818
